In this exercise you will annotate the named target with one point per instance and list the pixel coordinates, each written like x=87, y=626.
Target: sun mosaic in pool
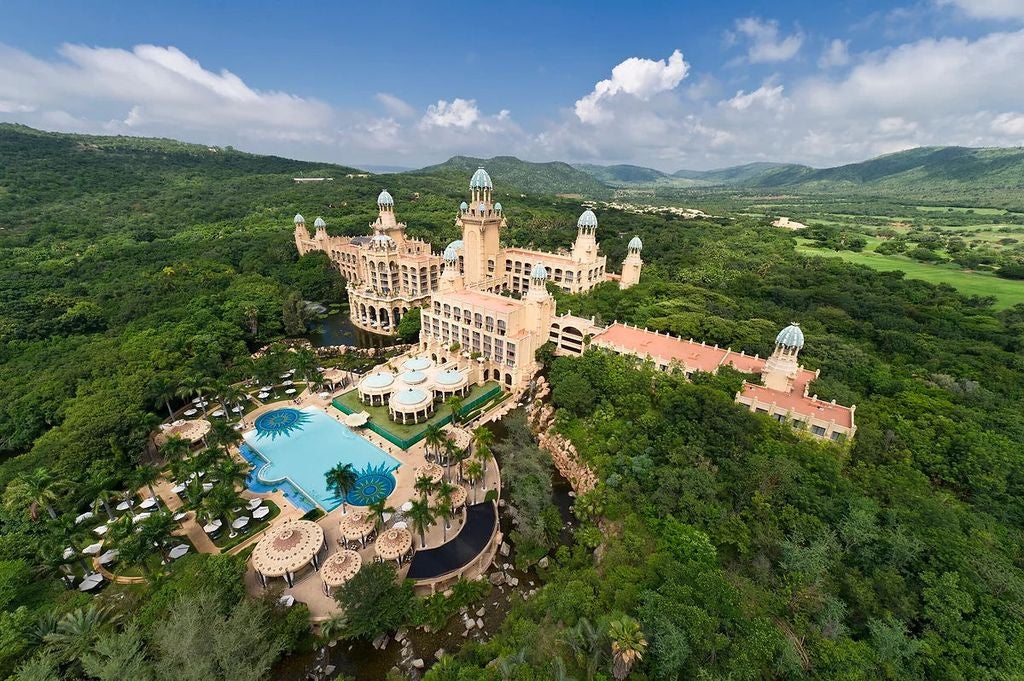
x=373, y=484
x=280, y=422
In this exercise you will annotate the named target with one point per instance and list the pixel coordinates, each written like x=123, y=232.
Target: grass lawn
x=1006, y=291
x=379, y=415
x=961, y=209
x=224, y=542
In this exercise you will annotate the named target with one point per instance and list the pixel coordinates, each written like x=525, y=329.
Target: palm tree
x=146, y=476
x=341, y=480
x=231, y=397
x=304, y=362
x=32, y=491
x=483, y=437
x=445, y=511
x=229, y=472
x=157, y=530
x=191, y=386
x=163, y=390
x=175, y=447
x=378, y=510
x=586, y=644
x=223, y=436
x=455, y=405
x=422, y=517
x=628, y=645
x=221, y=503
x=473, y=471
x=452, y=453
x=434, y=438
x=424, y=485
x=77, y=630
x=135, y=549
x=484, y=456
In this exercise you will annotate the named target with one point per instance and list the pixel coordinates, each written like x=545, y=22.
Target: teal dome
x=450, y=255
x=539, y=272
x=319, y=222
x=497, y=207
x=416, y=364
x=463, y=206
x=299, y=220
x=587, y=219
x=481, y=208
x=450, y=377
x=384, y=199
x=635, y=244
x=480, y=180
x=791, y=337
x=414, y=377
x=411, y=396
x=378, y=380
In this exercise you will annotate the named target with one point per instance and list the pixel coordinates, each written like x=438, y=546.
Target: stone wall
x=570, y=464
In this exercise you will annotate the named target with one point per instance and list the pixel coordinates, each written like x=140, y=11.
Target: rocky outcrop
x=567, y=460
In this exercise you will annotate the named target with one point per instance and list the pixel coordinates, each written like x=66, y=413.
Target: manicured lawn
x=961, y=209
x=379, y=415
x=224, y=542
x=1006, y=291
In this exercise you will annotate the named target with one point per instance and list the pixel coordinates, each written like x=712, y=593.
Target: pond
x=336, y=328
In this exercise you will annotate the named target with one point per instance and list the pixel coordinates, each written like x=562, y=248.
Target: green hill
x=511, y=173
x=749, y=173
x=622, y=173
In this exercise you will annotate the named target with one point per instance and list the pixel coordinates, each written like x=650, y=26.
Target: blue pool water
x=291, y=449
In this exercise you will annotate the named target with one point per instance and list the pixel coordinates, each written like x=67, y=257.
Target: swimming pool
x=294, y=448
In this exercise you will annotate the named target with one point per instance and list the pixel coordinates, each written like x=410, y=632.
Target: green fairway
x=1006, y=291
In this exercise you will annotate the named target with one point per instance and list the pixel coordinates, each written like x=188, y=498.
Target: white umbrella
x=286, y=601
x=263, y=396
x=325, y=394
x=179, y=488
x=400, y=526
x=124, y=505
x=261, y=512
x=83, y=517
x=289, y=391
x=286, y=374
x=91, y=582
x=219, y=413
x=197, y=400
x=213, y=526
x=240, y=522
x=237, y=410
x=93, y=549
x=204, y=403
x=407, y=506
x=178, y=551
x=101, y=530
x=69, y=553
x=148, y=503
x=108, y=557
x=254, y=503
x=288, y=382
x=191, y=412
x=140, y=517
x=178, y=517
x=207, y=486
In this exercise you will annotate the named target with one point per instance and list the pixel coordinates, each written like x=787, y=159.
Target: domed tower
x=321, y=229
x=585, y=246
x=480, y=222
x=632, y=265
x=451, y=278
x=540, y=303
x=781, y=368
x=386, y=222
x=301, y=235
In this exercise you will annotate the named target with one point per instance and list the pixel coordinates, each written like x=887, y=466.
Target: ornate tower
x=585, y=247
x=321, y=229
x=632, y=265
x=480, y=224
x=451, y=279
x=301, y=235
x=386, y=222
x=781, y=367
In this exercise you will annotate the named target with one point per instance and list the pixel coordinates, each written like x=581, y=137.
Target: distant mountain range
x=512, y=174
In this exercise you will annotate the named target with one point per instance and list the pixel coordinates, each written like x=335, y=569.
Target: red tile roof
x=667, y=349
x=798, y=403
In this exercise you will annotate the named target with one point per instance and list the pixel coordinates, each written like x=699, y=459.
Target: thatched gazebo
x=288, y=548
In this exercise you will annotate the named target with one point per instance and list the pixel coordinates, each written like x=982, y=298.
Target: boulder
x=439, y=653
x=543, y=563
x=497, y=578
x=480, y=612
x=418, y=663
x=505, y=549
x=479, y=623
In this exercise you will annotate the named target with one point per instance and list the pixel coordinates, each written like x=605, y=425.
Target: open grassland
x=1005, y=291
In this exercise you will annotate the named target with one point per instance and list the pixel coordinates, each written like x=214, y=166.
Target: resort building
x=783, y=394
x=389, y=273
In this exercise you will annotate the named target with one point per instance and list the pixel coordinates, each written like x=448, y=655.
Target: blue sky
x=670, y=85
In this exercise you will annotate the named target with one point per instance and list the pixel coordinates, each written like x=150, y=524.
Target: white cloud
x=836, y=54
x=395, y=106
x=987, y=9
x=641, y=78
x=458, y=113
x=765, y=97
x=764, y=43
x=1009, y=124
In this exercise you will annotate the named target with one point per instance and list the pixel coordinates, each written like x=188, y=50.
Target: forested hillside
x=522, y=176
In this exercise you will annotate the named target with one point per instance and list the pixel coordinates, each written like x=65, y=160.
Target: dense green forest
x=718, y=545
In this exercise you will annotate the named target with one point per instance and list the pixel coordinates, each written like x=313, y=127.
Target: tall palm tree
x=174, y=447
x=223, y=436
x=191, y=386
x=341, y=480
x=452, y=453
x=158, y=530
x=473, y=471
x=103, y=499
x=455, y=406
x=146, y=476
x=422, y=517
x=378, y=510
x=304, y=362
x=628, y=645
x=445, y=511
x=221, y=503
x=482, y=437
x=163, y=390
x=77, y=630
x=231, y=397
x=229, y=472
x=424, y=485
x=484, y=456
x=586, y=644
x=33, y=491
x=434, y=438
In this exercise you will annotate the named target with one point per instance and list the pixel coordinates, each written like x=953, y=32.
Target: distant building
x=300, y=180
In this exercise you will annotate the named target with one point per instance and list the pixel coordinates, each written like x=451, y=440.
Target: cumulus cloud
x=764, y=42
x=638, y=77
x=836, y=54
x=1009, y=124
x=987, y=9
x=458, y=113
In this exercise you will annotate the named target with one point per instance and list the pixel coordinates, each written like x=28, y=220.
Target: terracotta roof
x=798, y=403
x=664, y=348
x=488, y=301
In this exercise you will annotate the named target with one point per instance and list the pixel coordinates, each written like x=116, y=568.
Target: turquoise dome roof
x=378, y=380
x=587, y=219
x=414, y=377
x=411, y=396
x=384, y=199
x=449, y=377
x=299, y=220
x=481, y=208
x=497, y=207
x=457, y=244
x=416, y=364
x=319, y=222
x=480, y=180
x=635, y=244
x=450, y=255
x=539, y=272
x=463, y=206
x=791, y=336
